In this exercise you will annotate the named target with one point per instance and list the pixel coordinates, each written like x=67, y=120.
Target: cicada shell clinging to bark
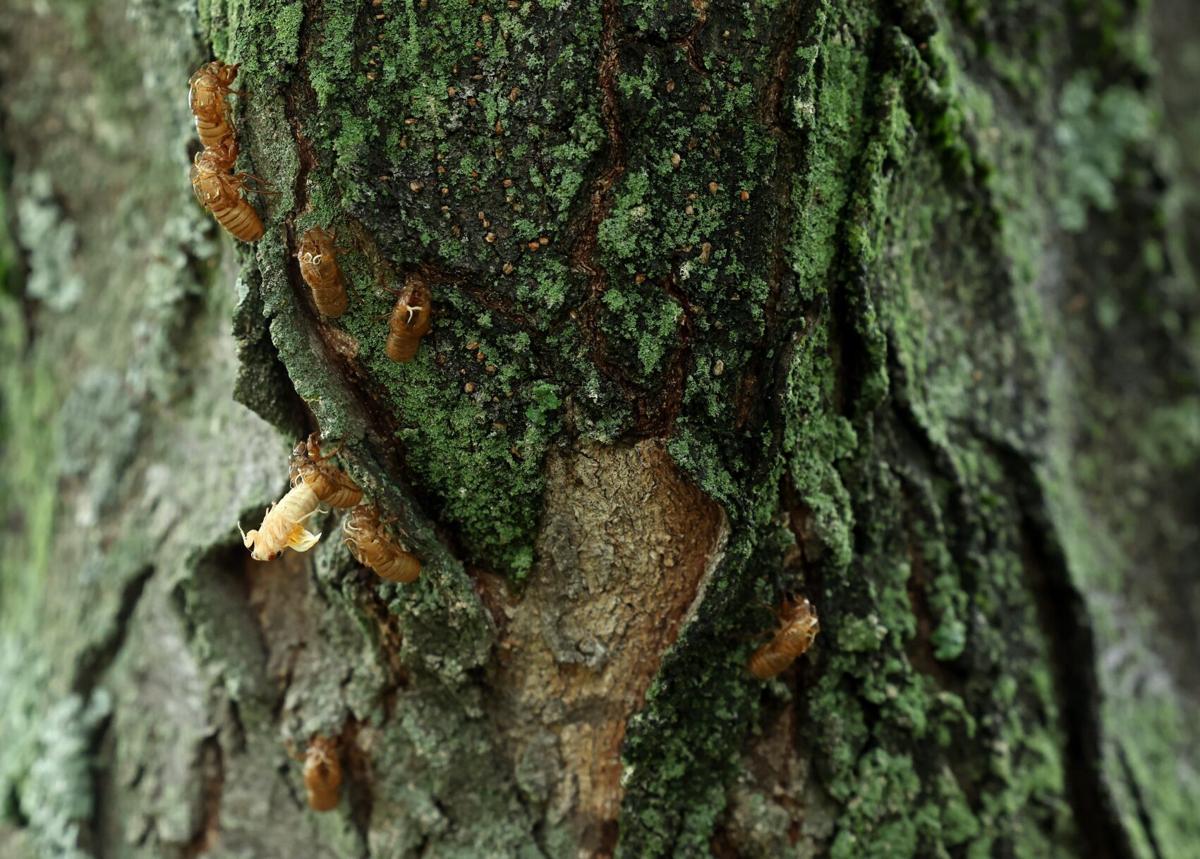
x=207, y=92
x=331, y=485
x=798, y=627
x=322, y=774
x=369, y=543
x=220, y=192
x=410, y=319
x=317, y=256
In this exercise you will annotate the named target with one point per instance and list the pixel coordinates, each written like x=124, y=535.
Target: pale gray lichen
x=49, y=239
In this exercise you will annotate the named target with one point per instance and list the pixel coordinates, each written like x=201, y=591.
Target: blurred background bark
x=888, y=303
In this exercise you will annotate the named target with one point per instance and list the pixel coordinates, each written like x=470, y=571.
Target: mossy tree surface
x=886, y=302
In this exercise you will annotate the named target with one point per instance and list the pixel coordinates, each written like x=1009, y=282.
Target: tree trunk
x=884, y=303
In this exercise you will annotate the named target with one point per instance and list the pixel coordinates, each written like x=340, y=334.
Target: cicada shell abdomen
x=767, y=662
x=369, y=543
x=333, y=487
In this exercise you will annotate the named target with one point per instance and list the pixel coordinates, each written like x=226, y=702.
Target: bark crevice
x=99, y=655
x=1063, y=614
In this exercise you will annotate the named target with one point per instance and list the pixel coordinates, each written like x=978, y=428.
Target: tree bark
x=885, y=303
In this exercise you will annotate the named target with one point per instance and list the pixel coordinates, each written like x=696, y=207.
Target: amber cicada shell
x=220, y=192
x=798, y=627
x=410, y=319
x=370, y=544
x=317, y=256
x=331, y=485
x=207, y=92
x=322, y=774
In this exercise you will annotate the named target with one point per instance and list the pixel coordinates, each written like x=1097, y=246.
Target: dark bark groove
x=888, y=304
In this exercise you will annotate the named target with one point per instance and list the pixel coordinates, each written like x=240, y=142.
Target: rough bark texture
x=890, y=303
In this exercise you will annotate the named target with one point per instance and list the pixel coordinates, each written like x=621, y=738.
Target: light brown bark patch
x=625, y=545
x=304, y=645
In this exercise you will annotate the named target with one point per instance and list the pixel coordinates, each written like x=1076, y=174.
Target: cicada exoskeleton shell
x=207, y=92
x=798, y=627
x=410, y=319
x=322, y=774
x=368, y=541
x=331, y=485
x=317, y=256
x=220, y=192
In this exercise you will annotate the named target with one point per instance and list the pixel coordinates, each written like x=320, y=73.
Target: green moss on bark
x=805, y=243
